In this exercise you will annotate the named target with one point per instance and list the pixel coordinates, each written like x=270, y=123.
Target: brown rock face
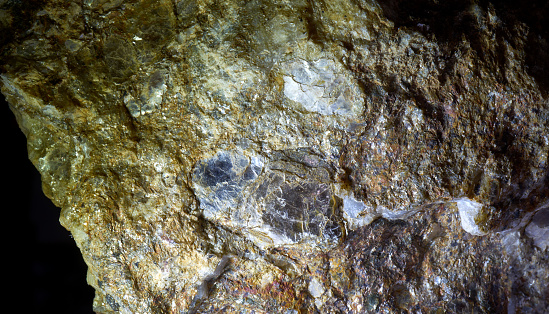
x=292, y=156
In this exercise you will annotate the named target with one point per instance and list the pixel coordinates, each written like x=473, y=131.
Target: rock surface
x=291, y=156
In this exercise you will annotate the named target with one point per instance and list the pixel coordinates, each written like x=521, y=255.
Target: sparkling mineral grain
x=292, y=156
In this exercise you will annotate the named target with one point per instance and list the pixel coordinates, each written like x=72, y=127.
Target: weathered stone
x=291, y=156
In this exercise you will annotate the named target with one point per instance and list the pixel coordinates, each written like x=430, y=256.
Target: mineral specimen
x=291, y=156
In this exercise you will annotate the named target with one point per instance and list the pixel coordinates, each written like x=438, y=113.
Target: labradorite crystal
x=291, y=156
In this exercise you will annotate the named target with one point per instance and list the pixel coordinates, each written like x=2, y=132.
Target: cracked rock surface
x=342, y=156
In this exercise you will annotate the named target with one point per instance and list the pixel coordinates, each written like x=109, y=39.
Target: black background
x=44, y=268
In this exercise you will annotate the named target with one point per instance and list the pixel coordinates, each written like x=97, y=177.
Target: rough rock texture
x=292, y=156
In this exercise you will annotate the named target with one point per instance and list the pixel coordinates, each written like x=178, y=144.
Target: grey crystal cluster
x=269, y=204
x=344, y=156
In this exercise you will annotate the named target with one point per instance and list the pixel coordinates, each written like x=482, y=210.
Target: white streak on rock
x=316, y=288
x=322, y=86
x=357, y=213
x=468, y=211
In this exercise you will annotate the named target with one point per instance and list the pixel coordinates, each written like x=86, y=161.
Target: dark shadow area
x=45, y=271
x=451, y=20
x=19, y=18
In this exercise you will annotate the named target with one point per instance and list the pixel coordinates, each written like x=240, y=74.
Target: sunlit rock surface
x=292, y=156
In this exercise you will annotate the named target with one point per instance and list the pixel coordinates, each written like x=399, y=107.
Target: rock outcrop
x=343, y=156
